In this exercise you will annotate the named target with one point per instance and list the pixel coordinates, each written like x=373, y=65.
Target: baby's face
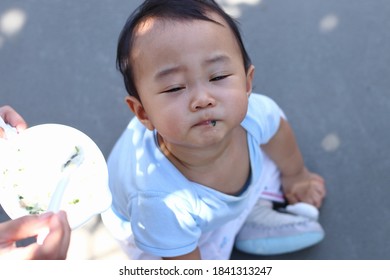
x=191, y=80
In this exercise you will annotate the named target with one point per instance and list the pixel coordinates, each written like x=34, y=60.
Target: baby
x=196, y=171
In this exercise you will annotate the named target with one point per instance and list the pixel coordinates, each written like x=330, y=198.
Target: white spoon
x=68, y=168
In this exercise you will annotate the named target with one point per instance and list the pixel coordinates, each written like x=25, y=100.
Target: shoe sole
x=279, y=245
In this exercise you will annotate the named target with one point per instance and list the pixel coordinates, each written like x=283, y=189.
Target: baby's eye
x=218, y=78
x=175, y=89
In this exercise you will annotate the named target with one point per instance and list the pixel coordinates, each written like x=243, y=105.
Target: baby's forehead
x=175, y=35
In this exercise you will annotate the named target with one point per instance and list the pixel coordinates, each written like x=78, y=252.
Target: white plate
x=31, y=165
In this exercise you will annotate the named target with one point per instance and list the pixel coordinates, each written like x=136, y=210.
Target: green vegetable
x=74, y=201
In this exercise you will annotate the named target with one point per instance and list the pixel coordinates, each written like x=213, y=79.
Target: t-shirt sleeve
x=163, y=225
x=263, y=117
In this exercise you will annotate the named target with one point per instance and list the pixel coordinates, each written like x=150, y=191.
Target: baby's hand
x=304, y=187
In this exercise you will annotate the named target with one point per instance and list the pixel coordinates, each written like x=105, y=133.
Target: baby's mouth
x=209, y=122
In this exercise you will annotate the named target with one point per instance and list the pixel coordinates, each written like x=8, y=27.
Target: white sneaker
x=269, y=232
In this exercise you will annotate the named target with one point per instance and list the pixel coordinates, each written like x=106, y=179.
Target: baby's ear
x=138, y=110
x=249, y=79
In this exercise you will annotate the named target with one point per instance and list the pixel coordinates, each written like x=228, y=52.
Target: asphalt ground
x=326, y=63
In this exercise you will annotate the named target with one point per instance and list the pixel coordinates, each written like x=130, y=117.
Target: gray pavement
x=327, y=63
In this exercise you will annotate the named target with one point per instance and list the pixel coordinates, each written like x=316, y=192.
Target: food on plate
x=41, y=158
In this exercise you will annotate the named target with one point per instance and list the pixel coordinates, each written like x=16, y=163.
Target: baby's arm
x=299, y=184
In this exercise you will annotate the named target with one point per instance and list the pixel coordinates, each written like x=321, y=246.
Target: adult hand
x=54, y=247
x=11, y=117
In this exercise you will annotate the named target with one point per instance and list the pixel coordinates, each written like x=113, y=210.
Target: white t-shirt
x=170, y=215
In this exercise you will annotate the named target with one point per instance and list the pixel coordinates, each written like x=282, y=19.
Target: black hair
x=170, y=10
